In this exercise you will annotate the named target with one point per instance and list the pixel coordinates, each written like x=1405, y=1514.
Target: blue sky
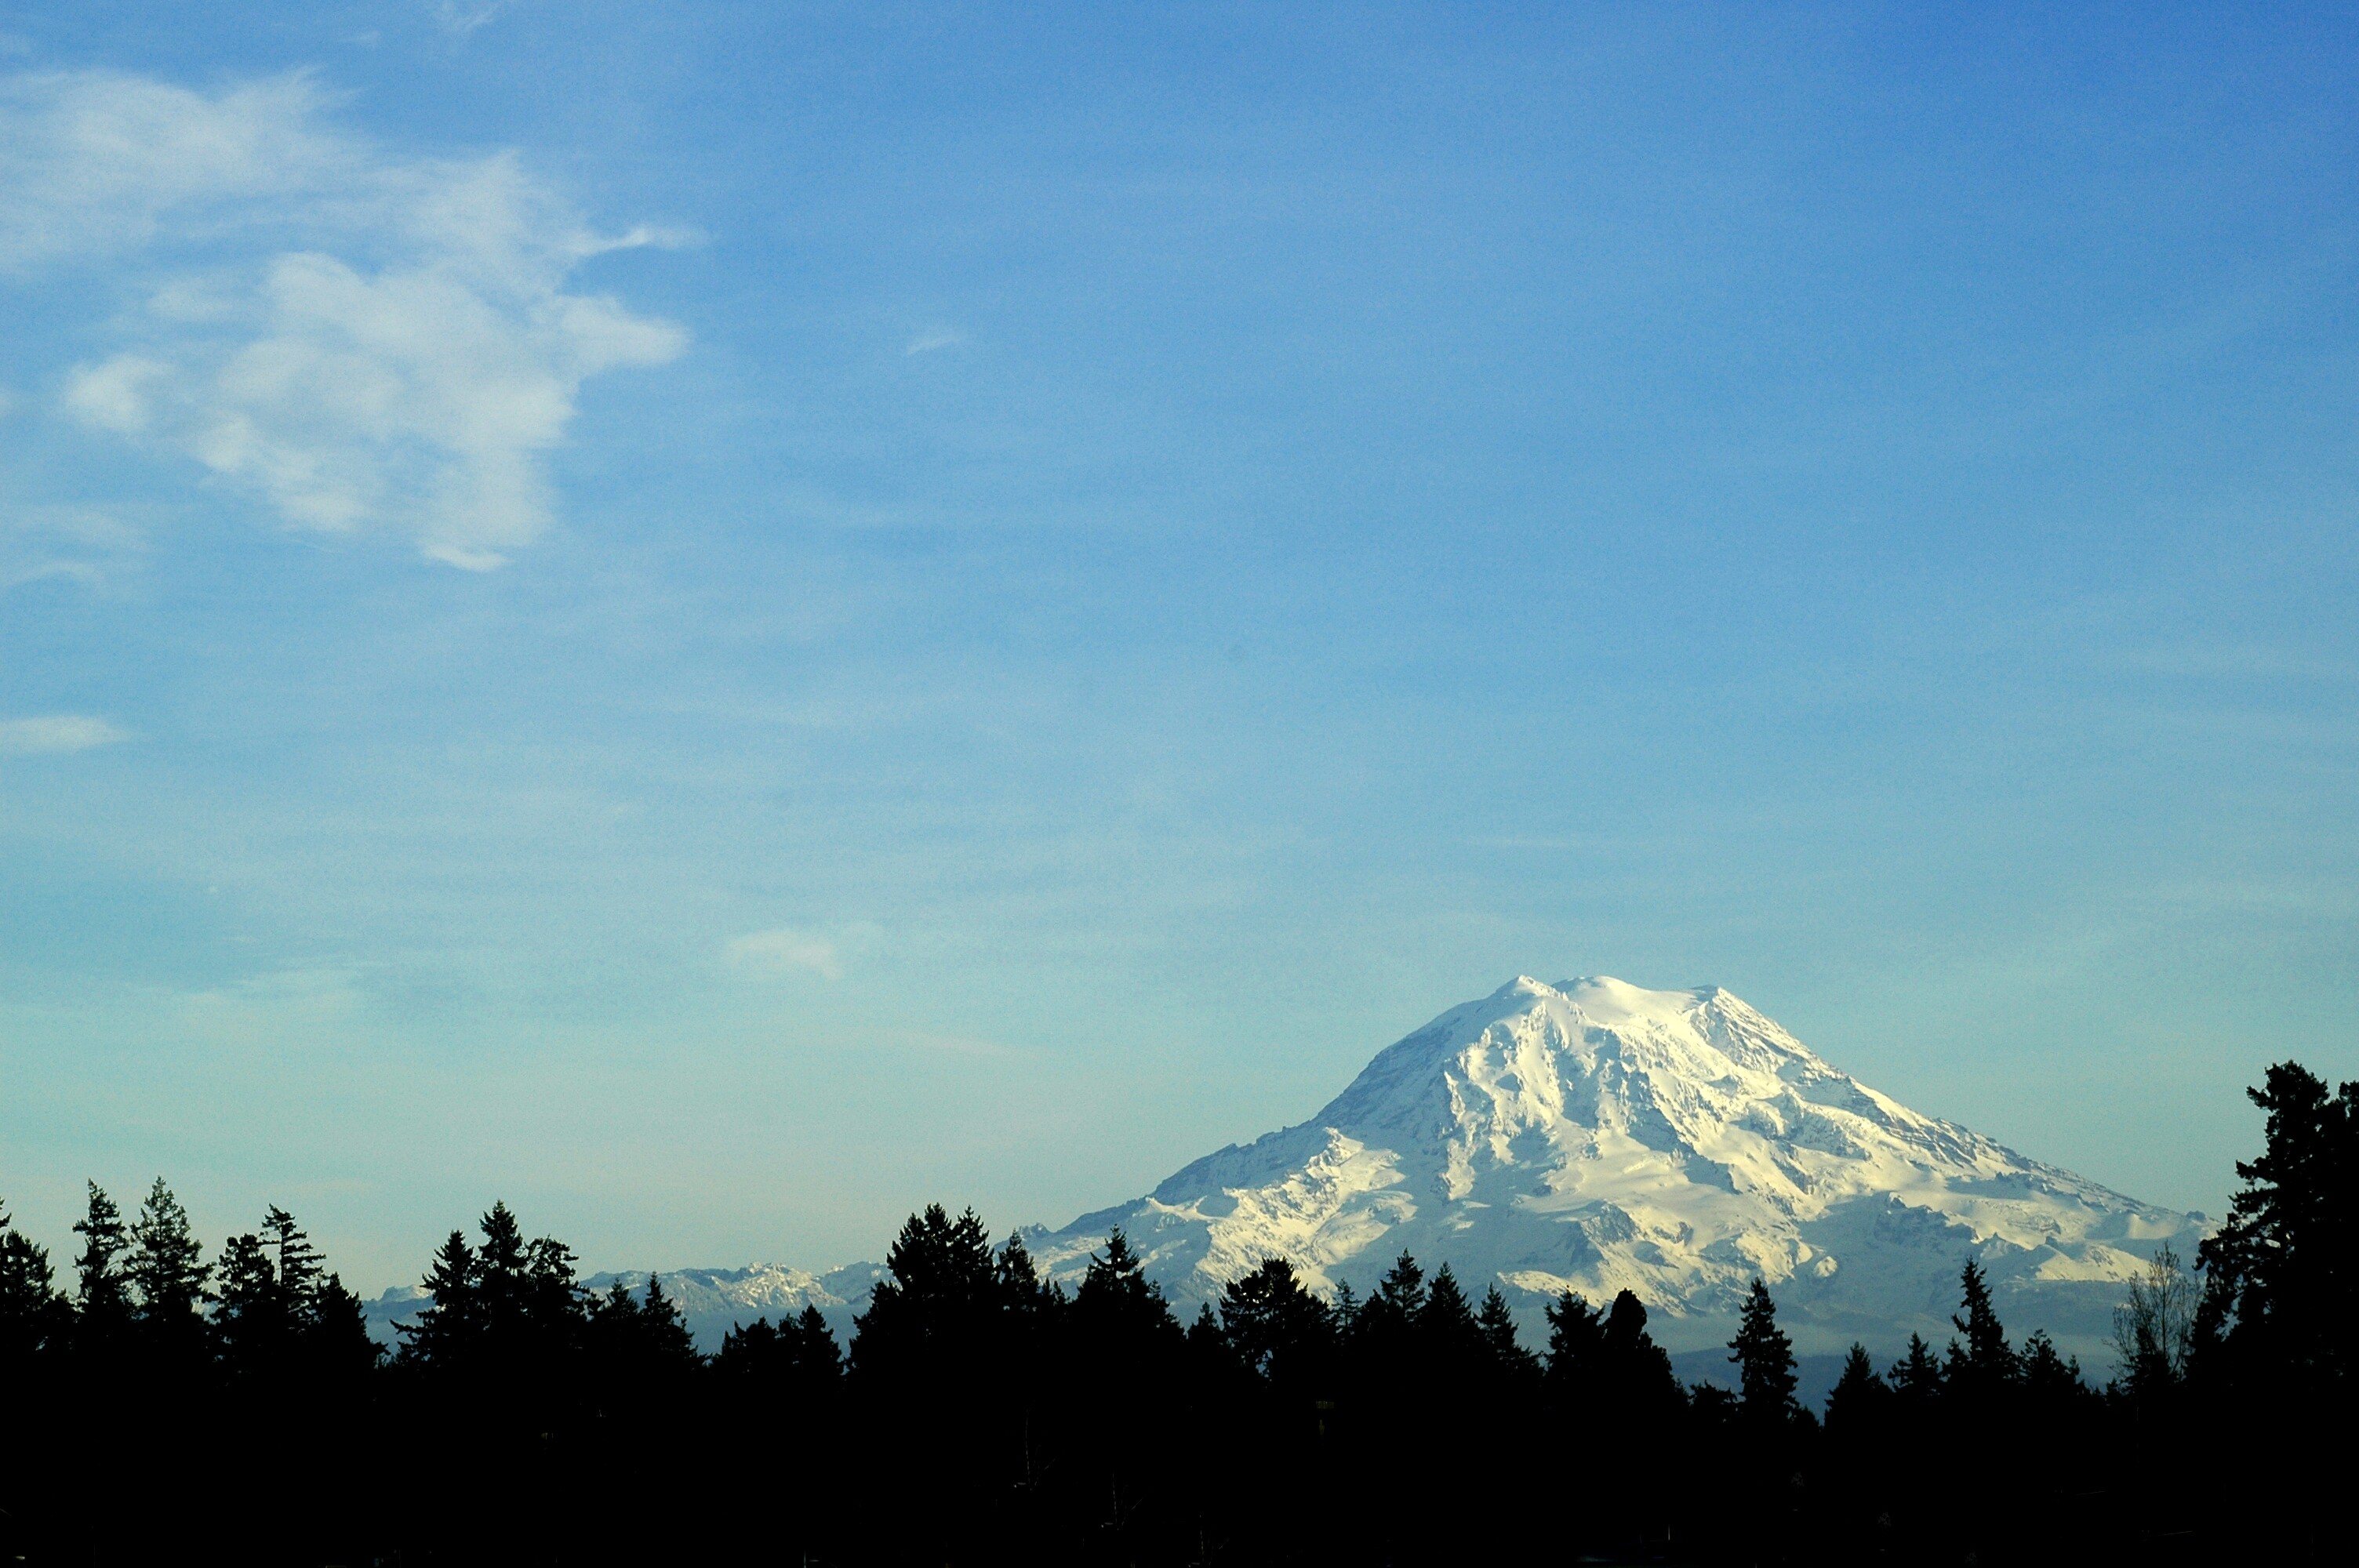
x=722, y=623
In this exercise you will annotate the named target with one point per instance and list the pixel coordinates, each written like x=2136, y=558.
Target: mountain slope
x=1595, y=1136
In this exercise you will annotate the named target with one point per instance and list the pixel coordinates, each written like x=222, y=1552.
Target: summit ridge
x=1595, y=1136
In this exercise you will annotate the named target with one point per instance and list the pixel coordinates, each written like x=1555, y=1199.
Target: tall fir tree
x=1446, y=1327
x=166, y=1269
x=1509, y=1359
x=1764, y=1361
x=1980, y=1365
x=1916, y=1377
x=33, y=1315
x=1273, y=1323
x=1576, y=1350
x=103, y=1304
x=1120, y=1307
x=1859, y=1401
x=2282, y=1273
x=449, y=1326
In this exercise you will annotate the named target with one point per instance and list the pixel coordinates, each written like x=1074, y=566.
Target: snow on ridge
x=1595, y=1136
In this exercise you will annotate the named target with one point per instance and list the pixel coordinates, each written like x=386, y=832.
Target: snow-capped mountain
x=1595, y=1136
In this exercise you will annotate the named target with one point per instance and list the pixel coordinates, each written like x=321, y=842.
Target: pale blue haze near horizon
x=722, y=621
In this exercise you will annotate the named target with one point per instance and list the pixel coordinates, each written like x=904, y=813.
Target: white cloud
x=939, y=338
x=55, y=733
x=772, y=955
x=462, y=20
x=363, y=340
x=73, y=542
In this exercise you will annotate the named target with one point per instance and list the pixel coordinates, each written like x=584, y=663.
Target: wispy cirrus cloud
x=783, y=951
x=56, y=734
x=364, y=340
x=76, y=543
x=462, y=20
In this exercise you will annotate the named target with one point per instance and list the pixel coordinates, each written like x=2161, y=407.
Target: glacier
x=1596, y=1137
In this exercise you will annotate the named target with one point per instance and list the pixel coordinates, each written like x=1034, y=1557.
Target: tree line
x=168, y=1407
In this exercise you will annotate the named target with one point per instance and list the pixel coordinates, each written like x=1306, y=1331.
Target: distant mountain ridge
x=1594, y=1136
x=713, y=1301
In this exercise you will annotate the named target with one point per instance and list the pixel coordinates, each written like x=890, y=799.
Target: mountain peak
x=1595, y=1135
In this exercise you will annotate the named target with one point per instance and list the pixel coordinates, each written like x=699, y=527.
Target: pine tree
x=1380, y=1328
x=1207, y=1348
x=1576, y=1350
x=749, y=1351
x=2282, y=1273
x=1400, y=1294
x=249, y=1324
x=2050, y=1379
x=1764, y=1361
x=336, y=1337
x=1446, y=1330
x=1916, y=1377
x=1981, y=1367
x=167, y=1269
x=934, y=1322
x=1855, y=1406
x=450, y=1325
x=1022, y=1290
x=1509, y=1359
x=670, y=1349
x=819, y=1364
x=102, y=1299
x=299, y=1264
x=33, y=1315
x=1118, y=1304
x=1273, y=1324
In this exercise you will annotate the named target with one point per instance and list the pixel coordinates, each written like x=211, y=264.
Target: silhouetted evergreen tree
x=166, y=1269
x=1509, y=1360
x=33, y=1315
x=439, y=1333
x=936, y=1307
x=1450, y=1348
x=1916, y=1377
x=1981, y=1367
x=1576, y=1370
x=2051, y=1382
x=931, y=1377
x=2282, y=1273
x=1118, y=1308
x=640, y=1341
x=1764, y=1361
x=1383, y=1322
x=1859, y=1401
x=1275, y=1327
x=103, y=1304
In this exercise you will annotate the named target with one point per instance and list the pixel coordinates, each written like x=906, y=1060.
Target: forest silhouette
x=161, y=1408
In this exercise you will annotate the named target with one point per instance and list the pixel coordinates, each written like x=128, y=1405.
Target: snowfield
x=1595, y=1136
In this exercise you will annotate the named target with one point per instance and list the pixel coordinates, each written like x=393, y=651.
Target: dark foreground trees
x=165, y=1407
